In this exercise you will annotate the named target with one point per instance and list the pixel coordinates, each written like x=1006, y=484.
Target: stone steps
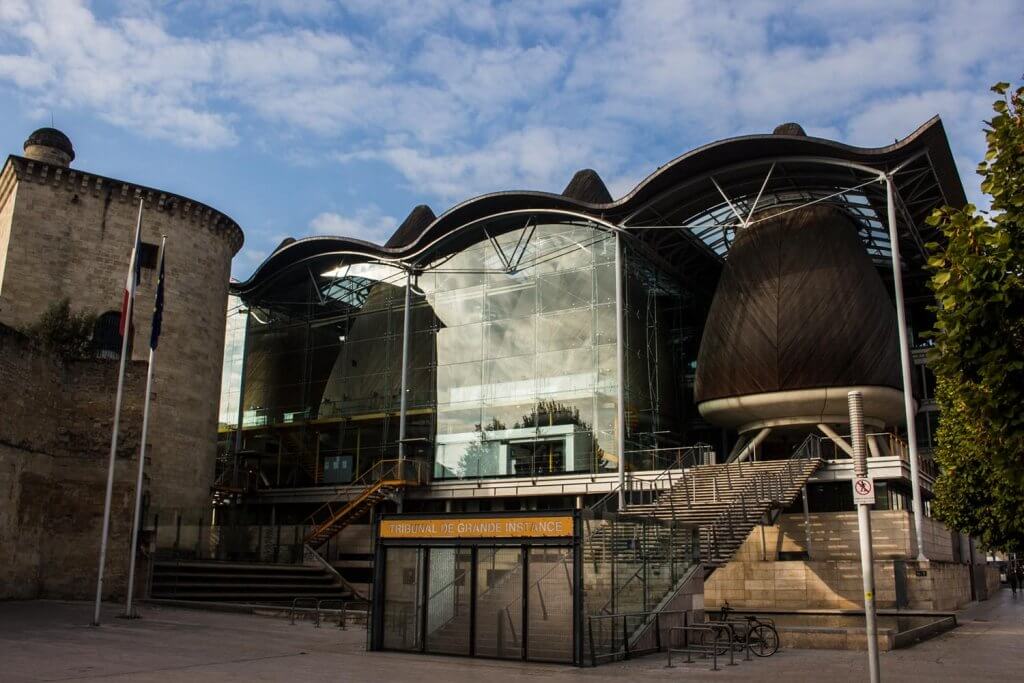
x=215, y=581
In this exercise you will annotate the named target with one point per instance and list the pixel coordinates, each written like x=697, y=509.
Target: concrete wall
x=54, y=443
x=70, y=236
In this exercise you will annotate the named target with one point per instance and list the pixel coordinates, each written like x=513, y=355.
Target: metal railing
x=764, y=486
x=506, y=610
x=638, y=490
x=610, y=636
x=706, y=647
x=404, y=472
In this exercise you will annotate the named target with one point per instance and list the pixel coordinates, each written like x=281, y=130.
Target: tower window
x=148, y=254
x=106, y=334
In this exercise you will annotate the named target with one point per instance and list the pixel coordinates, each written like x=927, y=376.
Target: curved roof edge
x=163, y=200
x=929, y=138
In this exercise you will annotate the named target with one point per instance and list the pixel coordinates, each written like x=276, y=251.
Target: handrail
x=337, y=575
x=458, y=575
x=377, y=473
x=561, y=560
x=615, y=591
x=753, y=488
x=628, y=487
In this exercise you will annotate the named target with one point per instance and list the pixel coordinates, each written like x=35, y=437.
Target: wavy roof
x=687, y=187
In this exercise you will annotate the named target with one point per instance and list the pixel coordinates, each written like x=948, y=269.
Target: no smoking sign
x=863, y=491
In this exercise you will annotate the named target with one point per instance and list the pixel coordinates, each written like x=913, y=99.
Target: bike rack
x=342, y=612
x=695, y=647
x=295, y=609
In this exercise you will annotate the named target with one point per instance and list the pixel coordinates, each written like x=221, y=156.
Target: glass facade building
x=523, y=336
x=511, y=352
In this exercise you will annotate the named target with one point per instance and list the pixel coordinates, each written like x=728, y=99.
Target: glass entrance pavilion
x=511, y=355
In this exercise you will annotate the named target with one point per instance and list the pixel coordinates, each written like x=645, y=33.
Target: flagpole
x=117, y=420
x=137, y=519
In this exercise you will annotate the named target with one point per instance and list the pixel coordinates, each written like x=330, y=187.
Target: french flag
x=132, y=283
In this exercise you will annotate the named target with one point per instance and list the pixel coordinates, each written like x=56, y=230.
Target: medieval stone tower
x=67, y=234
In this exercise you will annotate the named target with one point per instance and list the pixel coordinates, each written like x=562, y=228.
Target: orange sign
x=478, y=527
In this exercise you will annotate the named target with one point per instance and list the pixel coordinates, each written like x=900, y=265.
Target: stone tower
x=67, y=234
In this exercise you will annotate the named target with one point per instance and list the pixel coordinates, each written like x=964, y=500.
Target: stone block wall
x=69, y=235
x=54, y=444
x=831, y=579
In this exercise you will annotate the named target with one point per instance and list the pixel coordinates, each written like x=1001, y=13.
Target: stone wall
x=70, y=236
x=832, y=577
x=835, y=536
x=54, y=443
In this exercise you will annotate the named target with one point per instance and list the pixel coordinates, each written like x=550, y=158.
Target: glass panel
x=538, y=347
x=550, y=624
x=499, y=603
x=402, y=594
x=448, y=612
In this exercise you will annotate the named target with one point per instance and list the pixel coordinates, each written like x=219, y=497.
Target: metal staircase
x=381, y=482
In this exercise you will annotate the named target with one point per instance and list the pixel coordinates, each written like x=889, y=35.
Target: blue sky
x=299, y=117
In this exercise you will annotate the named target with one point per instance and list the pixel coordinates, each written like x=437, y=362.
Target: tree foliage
x=64, y=332
x=972, y=495
x=978, y=358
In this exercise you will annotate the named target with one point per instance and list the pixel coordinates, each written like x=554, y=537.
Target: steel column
x=404, y=404
x=906, y=365
x=241, y=405
x=620, y=366
x=404, y=401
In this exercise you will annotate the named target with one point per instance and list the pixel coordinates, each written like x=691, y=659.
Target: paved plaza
x=51, y=641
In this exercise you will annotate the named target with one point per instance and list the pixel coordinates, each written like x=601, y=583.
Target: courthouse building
x=533, y=351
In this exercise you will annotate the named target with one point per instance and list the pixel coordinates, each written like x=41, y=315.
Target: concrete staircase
x=727, y=500
x=241, y=582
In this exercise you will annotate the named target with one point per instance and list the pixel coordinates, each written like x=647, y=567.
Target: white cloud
x=466, y=96
x=368, y=224
x=534, y=158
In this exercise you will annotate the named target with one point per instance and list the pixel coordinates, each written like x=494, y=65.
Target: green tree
x=972, y=495
x=63, y=332
x=978, y=358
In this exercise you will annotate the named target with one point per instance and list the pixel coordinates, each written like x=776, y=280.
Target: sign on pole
x=863, y=491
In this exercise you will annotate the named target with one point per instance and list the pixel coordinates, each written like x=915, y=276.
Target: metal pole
x=138, y=493
x=908, y=385
x=136, y=520
x=807, y=523
x=241, y=404
x=404, y=402
x=620, y=366
x=860, y=464
x=117, y=422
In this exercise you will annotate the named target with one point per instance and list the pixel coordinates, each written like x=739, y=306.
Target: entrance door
x=403, y=599
x=499, y=603
x=549, y=628
x=448, y=600
x=504, y=602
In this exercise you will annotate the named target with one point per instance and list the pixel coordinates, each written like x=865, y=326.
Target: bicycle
x=760, y=634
